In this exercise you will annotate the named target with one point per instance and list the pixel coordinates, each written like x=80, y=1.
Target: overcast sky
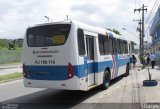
x=17, y=15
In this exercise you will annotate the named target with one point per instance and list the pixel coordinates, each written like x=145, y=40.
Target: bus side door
x=90, y=59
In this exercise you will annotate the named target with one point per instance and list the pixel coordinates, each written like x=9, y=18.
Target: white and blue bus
x=73, y=56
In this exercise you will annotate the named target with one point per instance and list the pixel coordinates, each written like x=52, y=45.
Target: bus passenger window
x=110, y=46
x=121, y=44
x=129, y=48
x=81, y=45
x=101, y=46
x=106, y=45
x=114, y=45
x=118, y=46
x=126, y=47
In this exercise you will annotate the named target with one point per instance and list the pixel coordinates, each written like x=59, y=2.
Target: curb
x=5, y=81
x=10, y=68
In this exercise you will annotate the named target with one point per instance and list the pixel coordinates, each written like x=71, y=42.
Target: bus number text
x=44, y=61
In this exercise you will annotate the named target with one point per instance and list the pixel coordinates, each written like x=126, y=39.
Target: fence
x=9, y=56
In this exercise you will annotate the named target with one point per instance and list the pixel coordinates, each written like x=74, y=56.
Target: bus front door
x=90, y=61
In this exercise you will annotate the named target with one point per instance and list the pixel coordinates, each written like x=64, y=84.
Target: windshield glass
x=48, y=35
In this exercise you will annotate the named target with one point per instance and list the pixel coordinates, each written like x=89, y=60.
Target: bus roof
x=86, y=27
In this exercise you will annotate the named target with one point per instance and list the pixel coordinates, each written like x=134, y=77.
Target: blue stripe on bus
x=46, y=72
x=61, y=72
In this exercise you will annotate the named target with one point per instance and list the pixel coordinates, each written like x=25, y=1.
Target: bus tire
x=106, y=80
x=127, y=70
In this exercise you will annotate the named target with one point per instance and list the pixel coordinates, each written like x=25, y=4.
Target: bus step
x=92, y=86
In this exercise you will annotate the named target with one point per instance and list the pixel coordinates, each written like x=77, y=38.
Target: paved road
x=122, y=90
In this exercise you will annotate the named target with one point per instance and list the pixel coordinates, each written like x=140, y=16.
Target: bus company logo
x=43, y=52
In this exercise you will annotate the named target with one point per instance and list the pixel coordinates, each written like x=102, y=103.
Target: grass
x=10, y=76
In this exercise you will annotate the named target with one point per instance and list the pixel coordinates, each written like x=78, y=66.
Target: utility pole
x=67, y=17
x=47, y=18
x=143, y=8
x=141, y=37
x=139, y=29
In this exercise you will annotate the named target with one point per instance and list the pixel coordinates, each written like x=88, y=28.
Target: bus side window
x=110, y=46
x=116, y=49
x=118, y=46
x=122, y=47
x=114, y=45
x=81, y=45
x=101, y=45
x=106, y=45
x=126, y=47
x=129, y=48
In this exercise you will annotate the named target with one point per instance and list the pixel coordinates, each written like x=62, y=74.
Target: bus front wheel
x=106, y=80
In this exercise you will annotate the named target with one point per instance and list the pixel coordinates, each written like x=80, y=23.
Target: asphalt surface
x=122, y=90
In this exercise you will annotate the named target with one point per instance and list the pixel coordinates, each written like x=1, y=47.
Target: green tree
x=114, y=30
x=3, y=43
x=109, y=29
x=11, y=46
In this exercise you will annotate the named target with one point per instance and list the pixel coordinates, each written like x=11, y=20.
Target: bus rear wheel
x=106, y=80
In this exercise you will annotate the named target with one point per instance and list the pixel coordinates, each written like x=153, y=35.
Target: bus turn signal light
x=70, y=71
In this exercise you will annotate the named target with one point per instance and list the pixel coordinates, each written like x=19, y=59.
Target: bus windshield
x=48, y=35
